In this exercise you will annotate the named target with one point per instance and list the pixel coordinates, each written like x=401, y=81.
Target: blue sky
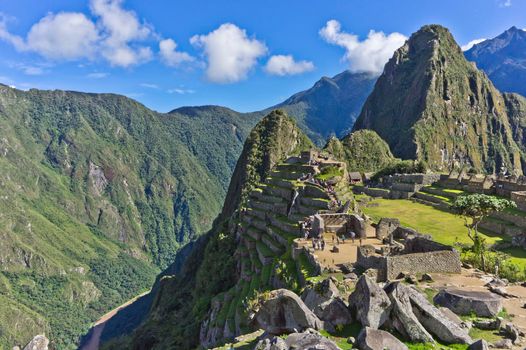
x=243, y=54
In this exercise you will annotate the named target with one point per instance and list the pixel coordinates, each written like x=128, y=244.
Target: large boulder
x=284, y=312
x=480, y=344
x=39, y=342
x=435, y=321
x=274, y=343
x=375, y=339
x=465, y=302
x=370, y=303
x=325, y=301
x=309, y=341
x=402, y=317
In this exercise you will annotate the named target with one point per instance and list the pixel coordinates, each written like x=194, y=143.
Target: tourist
x=343, y=239
x=332, y=239
x=353, y=235
x=322, y=244
x=337, y=240
x=313, y=244
x=361, y=240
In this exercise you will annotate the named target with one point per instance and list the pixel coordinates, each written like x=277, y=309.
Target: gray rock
x=488, y=325
x=351, y=340
x=39, y=342
x=411, y=279
x=284, y=312
x=502, y=344
x=501, y=291
x=464, y=302
x=325, y=301
x=511, y=332
x=274, y=343
x=436, y=322
x=497, y=282
x=426, y=278
x=370, y=303
x=309, y=341
x=375, y=339
x=402, y=317
x=480, y=344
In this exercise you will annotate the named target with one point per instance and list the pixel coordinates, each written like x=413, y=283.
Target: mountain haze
x=503, y=58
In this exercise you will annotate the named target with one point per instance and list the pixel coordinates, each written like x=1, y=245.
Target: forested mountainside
x=503, y=58
x=431, y=104
x=362, y=150
x=331, y=106
x=182, y=301
x=97, y=193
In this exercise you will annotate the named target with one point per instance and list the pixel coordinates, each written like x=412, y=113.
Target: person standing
x=353, y=236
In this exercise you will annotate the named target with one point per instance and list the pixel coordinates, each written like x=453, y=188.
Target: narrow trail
x=95, y=332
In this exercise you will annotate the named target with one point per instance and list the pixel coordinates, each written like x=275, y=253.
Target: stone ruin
x=408, y=253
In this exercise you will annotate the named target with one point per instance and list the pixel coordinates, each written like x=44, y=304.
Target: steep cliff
x=431, y=104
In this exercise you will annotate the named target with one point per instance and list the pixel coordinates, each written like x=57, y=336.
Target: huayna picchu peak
x=431, y=104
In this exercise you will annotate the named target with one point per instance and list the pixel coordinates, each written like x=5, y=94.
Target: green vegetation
x=423, y=107
x=90, y=181
x=401, y=167
x=329, y=172
x=362, y=150
x=444, y=227
x=477, y=207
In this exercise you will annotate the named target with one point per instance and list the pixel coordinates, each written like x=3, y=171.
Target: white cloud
x=119, y=28
x=170, y=56
x=472, y=43
x=63, y=36
x=181, y=91
x=97, y=75
x=71, y=35
x=286, y=65
x=149, y=85
x=229, y=52
x=504, y=3
x=369, y=55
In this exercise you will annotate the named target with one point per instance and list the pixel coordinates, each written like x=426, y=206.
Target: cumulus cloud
x=230, y=53
x=150, y=85
x=369, y=55
x=286, y=65
x=119, y=28
x=472, y=43
x=65, y=35
x=505, y=3
x=170, y=56
x=114, y=35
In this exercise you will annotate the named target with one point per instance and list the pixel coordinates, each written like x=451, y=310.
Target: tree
x=477, y=207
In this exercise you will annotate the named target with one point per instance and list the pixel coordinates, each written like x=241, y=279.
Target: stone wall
x=368, y=259
x=418, y=263
x=373, y=192
x=519, y=197
x=385, y=227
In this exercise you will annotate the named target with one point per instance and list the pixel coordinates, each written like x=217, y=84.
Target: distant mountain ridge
x=503, y=58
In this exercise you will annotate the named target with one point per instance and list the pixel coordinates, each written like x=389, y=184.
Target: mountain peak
x=431, y=104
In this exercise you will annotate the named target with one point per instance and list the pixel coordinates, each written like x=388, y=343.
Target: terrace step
x=320, y=203
x=280, y=183
x=272, y=244
x=287, y=175
x=265, y=255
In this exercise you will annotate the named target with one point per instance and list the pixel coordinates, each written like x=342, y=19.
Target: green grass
x=444, y=227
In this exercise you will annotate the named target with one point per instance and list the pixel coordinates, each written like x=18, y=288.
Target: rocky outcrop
x=435, y=321
x=325, y=301
x=308, y=340
x=374, y=339
x=284, y=312
x=39, y=342
x=369, y=303
x=464, y=302
x=402, y=317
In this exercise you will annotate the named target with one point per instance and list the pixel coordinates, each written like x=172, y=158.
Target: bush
x=401, y=167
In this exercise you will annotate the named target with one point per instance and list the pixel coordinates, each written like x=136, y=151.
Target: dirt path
x=95, y=332
x=472, y=280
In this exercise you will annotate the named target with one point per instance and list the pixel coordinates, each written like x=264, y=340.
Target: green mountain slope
x=431, y=104
x=362, y=150
x=211, y=271
x=96, y=193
